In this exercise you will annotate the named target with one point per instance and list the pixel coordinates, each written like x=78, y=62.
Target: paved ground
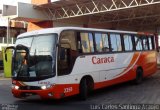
x=126, y=93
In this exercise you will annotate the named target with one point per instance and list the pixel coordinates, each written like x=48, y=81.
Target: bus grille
x=30, y=88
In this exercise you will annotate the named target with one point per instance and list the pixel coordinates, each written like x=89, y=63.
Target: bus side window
x=67, y=52
x=145, y=43
x=116, y=42
x=138, y=43
x=128, y=44
x=102, y=43
x=87, y=42
x=151, y=42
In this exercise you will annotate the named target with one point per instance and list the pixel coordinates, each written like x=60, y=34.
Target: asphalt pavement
x=126, y=93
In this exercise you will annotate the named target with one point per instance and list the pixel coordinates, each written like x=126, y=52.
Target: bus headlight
x=46, y=87
x=43, y=87
x=16, y=87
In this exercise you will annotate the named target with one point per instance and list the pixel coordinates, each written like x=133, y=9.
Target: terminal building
x=131, y=15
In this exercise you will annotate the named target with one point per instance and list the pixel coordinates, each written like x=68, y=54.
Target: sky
x=3, y=21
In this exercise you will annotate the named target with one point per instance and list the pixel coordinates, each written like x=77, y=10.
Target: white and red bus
x=65, y=61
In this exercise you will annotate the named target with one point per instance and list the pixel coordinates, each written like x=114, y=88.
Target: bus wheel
x=83, y=89
x=139, y=76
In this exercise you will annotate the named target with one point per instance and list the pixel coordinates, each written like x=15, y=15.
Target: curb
x=4, y=79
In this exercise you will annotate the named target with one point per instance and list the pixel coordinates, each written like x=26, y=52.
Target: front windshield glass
x=38, y=59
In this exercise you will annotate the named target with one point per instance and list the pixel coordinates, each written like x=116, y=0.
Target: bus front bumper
x=44, y=94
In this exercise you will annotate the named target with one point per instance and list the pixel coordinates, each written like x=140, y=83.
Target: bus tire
x=139, y=76
x=83, y=89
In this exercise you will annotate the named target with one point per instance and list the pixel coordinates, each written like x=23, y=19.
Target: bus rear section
x=79, y=60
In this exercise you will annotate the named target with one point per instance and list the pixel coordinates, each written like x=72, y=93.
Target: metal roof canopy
x=131, y=13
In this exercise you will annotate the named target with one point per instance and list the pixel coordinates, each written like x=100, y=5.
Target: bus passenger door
x=67, y=53
x=64, y=60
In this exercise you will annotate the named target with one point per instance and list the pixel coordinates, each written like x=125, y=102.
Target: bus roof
x=58, y=30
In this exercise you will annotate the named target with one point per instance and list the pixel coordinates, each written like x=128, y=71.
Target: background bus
x=3, y=43
x=60, y=62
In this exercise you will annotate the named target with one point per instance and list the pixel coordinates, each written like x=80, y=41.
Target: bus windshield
x=34, y=57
